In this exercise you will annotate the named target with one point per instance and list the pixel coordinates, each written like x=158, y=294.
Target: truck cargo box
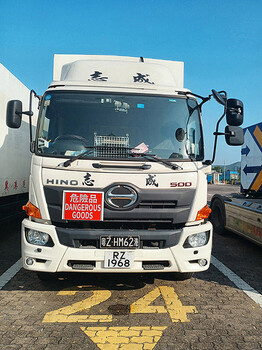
x=14, y=146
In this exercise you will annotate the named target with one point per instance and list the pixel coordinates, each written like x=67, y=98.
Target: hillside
x=232, y=167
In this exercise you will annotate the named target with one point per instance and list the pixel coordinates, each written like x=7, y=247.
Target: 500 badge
x=181, y=184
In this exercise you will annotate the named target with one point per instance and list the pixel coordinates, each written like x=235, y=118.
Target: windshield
x=118, y=126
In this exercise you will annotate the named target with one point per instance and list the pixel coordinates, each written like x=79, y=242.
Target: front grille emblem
x=121, y=197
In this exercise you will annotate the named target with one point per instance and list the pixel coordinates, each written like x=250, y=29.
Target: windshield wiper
x=80, y=156
x=152, y=157
x=119, y=166
x=101, y=148
x=147, y=156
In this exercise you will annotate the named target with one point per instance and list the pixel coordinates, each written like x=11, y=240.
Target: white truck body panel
x=14, y=144
x=244, y=217
x=47, y=172
x=56, y=259
x=64, y=70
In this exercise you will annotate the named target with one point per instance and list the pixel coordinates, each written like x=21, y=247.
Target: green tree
x=217, y=168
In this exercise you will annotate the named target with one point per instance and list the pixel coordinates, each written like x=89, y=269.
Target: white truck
x=15, y=154
x=241, y=212
x=118, y=177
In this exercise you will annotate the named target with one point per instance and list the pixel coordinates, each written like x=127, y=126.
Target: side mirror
x=234, y=112
x=234, y=135
x=218, y=97
x=14, y=114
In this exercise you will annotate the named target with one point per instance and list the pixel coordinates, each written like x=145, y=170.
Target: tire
x=182, y=276
x=47, y=276
x=218, y=216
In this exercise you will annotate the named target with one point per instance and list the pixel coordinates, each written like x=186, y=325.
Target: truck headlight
x=196, y=240
x=38, y=237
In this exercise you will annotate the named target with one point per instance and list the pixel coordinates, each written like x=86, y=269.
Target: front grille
x=120, y=225
x=90, y=239
x=81, y=265
x=155, y=265
x=157, y=204
x=90, y=265
x=164, y=207
x=86, y=243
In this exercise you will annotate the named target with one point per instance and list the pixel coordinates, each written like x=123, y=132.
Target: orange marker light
x=203, y=213
x=32, y=210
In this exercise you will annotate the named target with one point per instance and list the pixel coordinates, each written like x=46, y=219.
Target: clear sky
x=219, y=41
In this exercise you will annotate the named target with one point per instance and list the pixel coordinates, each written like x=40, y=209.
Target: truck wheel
x=182, y=276
x=47, y=276
x=218, y=216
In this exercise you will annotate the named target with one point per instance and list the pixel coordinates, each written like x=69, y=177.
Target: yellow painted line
x=142, y=328
x=142, y=305
x=53, y=318
x=74, y=312
x=97, y=328
x=258, y=135
x=257, y=183
x=177, y=312
x=66, y=313
x=126, y=338
x=69, y=291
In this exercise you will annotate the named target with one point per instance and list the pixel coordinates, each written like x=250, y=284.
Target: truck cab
x=118, y=182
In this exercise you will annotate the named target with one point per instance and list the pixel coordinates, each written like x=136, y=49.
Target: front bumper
x=57, y=258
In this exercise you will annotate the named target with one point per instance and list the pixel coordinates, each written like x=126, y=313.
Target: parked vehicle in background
x=242, y=212
x=15, y=156
x=118, y=177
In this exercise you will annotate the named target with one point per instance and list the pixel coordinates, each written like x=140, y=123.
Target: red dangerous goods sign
x=79, y=205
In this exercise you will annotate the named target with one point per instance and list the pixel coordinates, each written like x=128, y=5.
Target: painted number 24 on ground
x=173, y=306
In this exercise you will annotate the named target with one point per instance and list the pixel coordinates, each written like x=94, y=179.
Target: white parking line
x=10, y=273
x=251, y=292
